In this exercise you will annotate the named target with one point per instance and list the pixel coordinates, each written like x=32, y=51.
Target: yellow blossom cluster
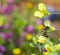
x=42, y=10
x=17, y=51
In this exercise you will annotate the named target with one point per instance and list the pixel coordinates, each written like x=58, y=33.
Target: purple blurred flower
x=1, y=27
x=10, y=34
x=38, y=21
x=6, y=36
x=2, y=48
x=7, y=26
x=54, y=17
x=50, y=8
x=1, y=54
x=21, y=39
x=10, y=1
x=7, y=9
x=29, y=28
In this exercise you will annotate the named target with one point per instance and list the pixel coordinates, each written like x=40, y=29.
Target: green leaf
x=2, y=41
x=2, y=20
x=34, y=40
x=31, y=44
x=32, y=54
x=47, y=13
x=11, y=46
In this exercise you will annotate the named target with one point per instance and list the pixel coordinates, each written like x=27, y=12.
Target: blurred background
x=18, y=24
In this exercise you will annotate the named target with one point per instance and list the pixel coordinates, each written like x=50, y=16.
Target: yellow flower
x=40, y=27
x=42, y=11
x=42, y=7
x=45, y=53
x=39, y=14
x=17, y=51
x=29, y=5
x=47, y=23
x=42, y=39
x=57, y=47
x=29, y=37
x=48, y=48
x=52, y=28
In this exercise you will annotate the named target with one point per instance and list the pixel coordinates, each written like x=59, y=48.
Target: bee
x=45, y=31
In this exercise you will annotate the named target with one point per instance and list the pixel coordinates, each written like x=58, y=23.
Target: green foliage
x=2, y=41
x=2, y=20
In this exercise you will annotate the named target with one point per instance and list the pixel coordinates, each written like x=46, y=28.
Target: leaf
x=2, y=41
x=2, y=20
x=34, y=40
x=47, y=13
x=31, y=44
x=32, y=54
x=11, y=46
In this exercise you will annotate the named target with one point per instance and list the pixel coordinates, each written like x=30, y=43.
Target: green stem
x=40, y=49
